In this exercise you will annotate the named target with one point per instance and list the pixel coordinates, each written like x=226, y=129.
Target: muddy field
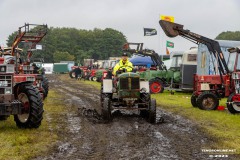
x=86, y=136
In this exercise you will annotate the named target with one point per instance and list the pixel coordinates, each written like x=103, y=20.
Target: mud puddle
x=128, y=136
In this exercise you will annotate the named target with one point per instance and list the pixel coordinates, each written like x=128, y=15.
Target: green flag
x=170, y=44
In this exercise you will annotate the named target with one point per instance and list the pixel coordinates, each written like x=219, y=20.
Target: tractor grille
x=124, y=83
x=5, y=84
x=135, y=83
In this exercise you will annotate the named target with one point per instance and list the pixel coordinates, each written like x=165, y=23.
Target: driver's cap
x=124, y=54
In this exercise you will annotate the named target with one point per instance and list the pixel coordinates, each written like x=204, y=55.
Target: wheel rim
x=155, y=87
x=22, y=97
x=73, y=74
x=235, y=106
x=208, y=103
x=94, y=78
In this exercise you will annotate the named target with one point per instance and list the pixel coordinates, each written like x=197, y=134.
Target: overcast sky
x=205, y=17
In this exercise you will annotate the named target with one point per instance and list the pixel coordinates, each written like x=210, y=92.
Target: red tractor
x=209, y=89
x=31, y=37
x=20, y=99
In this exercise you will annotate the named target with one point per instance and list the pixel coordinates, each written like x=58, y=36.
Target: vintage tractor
x=22, y=99
x=29, y=36
x=175, y=78
x=107, y=65
x=127, y=91
x=208, y=89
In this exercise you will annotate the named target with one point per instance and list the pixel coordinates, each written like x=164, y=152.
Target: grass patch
x=24, y=144
x=218, y=124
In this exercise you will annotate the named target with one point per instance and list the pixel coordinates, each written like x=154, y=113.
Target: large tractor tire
x=156, y=86
x=106, y=109
x=194, y=100
x=72, y=74
x=152, y=111
x=32, y=107
x=45, y=86
x=207, y=101
x=145, y=98
x=94, y=79
x=233, y=107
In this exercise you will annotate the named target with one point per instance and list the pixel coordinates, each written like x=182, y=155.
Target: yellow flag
x=167, y=18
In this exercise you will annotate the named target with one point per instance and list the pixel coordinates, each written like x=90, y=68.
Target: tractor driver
x=123, y=64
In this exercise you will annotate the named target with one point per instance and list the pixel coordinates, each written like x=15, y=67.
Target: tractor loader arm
x=174, y=29
x=144, y=52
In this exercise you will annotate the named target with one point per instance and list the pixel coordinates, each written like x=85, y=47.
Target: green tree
x=62, y=56
x=95, y=44
x=229, y=35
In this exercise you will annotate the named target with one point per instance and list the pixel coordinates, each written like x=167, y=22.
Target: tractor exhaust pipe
x=170, y=29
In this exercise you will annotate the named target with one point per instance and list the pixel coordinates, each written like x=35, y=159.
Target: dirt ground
x=86, y=136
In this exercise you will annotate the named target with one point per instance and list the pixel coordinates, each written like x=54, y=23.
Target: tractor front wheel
x=152, y=111
x=45, y=86
x=32, y=107
x=72, y=74
x=207, y=101
x=233, y=107
x=156, y=86
x=194, y=100
x=106, y=109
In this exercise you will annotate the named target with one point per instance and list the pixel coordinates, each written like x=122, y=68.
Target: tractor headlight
x=8, y=91
x=3, y=83
x=3, y=69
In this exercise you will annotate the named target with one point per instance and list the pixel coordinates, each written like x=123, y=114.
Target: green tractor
x=127, y=91
x=175, y=78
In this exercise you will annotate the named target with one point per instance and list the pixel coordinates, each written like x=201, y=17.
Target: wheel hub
x=208, y=102
x=155, y=87
x=22, y=97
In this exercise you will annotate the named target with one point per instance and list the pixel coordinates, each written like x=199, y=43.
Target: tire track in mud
x=128, y=136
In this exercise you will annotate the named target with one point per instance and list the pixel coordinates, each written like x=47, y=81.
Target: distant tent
x=141, y=61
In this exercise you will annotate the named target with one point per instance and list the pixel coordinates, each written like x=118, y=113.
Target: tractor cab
x=234, y=60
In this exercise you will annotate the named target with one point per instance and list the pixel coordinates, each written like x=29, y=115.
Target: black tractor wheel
x=45, y=86
x=94, y=78
x=156, y=86
x=152, y=111
x=233, y=107
x=106, y=109
x=32, y=111
x=194, y=100
x=145, y=98
x=207, y=101
x=72, y=74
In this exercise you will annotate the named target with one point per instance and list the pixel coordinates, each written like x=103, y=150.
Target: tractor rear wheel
x=45, y=86
x=106, y=109
x=152, y=111
x=194, y=100
x=156, y=86
x=207, y=101
x=32, y=112
x=72, y=74
x=94, y=79
x=233, y=107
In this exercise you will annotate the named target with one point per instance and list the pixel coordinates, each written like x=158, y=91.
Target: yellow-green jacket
x=128, y=66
